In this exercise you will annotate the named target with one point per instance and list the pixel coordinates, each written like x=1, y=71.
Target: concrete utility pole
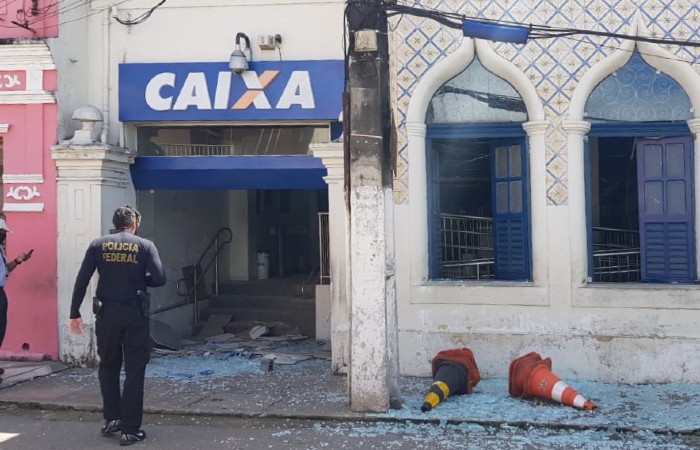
x=373, y=374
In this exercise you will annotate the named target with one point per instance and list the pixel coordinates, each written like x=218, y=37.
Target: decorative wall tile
x=554, y=66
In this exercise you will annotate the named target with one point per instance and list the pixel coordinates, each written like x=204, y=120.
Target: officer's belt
x=124, y=301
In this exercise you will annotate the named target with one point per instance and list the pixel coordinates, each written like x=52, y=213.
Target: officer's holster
x=145, y=302
x=96, y=306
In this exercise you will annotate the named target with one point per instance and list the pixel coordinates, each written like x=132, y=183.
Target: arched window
x=476, y=96
x=478, y=179
x=638, y=93
x=640, y=176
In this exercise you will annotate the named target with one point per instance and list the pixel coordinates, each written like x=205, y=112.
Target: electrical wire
x=142, y=18
x=47, y=12
x=61, y=10
x=23, y=14
x=618, y=48
x=97, y=11
x=390, y=7
x=456, y=21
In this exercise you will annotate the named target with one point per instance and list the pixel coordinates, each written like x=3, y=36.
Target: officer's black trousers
x=122, y=335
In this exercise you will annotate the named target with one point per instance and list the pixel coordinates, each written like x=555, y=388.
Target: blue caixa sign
x=269, y=90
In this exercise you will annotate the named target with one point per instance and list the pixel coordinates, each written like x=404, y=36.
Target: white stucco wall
x=91, y=45
x=181, y=31
x=625, y=332
x=73, y=67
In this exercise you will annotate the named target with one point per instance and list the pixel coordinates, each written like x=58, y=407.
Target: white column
x=694, y=125
x=578, y=234
x=538, y=199
x=418, y=202
x=92, y=181
x=332, y=157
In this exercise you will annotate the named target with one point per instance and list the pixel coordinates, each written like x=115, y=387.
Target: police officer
x=126, y=264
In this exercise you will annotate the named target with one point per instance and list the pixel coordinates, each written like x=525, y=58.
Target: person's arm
x=154, y=267
x=87, y=268
x=12, y=265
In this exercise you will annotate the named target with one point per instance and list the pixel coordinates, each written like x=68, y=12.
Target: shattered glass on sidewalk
x=250, y=351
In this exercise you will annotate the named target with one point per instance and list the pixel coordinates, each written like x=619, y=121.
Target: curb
x=359, y=417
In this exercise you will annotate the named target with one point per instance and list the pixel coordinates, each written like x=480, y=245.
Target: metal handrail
x=308, y=279
x=218, y=243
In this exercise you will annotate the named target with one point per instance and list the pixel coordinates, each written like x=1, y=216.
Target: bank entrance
x=239, y=215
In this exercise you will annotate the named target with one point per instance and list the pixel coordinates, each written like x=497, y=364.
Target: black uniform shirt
x=122, y=260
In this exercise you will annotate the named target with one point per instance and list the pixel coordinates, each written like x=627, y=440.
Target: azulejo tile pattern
x=554, y=66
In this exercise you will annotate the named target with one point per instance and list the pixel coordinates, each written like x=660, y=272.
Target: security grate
x=616, y=255
x=467, y=247
x=197, y=150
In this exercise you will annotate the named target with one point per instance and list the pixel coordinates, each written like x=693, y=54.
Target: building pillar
x=578, y=233
x=92, y=181
x=538, y=199
x=332, y=157
x=694, y=125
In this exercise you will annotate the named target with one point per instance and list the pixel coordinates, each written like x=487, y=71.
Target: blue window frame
x=639, y=194
x=652, y=187
x=478, y=202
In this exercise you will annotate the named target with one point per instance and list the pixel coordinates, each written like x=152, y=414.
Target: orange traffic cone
x=454, y=372
x=531, y=376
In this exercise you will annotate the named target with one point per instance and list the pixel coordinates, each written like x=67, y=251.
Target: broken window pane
x=653, y=166
x=675, y=159
x=654, y=197
x=501, y=197
x=476, y=95
x=676, y=197
x=516, y=196
x=229, y=141
x=515, y=163
x=501, y=162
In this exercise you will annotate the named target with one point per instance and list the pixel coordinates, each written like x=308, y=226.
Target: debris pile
x=275, y=341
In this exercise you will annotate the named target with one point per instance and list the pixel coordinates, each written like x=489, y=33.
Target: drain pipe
x=106, y=22
x=122, y=128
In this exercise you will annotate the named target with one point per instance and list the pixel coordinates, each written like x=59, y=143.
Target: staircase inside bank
x=287, y=304
x=284, y=305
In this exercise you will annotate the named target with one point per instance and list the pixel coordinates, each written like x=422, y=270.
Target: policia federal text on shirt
x=126, y=265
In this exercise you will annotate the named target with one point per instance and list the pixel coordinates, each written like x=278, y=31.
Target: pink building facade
x=28, y=128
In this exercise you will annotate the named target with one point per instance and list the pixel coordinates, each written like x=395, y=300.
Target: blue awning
x=228, y=172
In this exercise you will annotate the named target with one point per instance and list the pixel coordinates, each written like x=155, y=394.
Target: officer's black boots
x=111, y=426
x=128, y=439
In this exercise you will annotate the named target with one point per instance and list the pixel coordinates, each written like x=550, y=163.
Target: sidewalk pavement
x=236, y=386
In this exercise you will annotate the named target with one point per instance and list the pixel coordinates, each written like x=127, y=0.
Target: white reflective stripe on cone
x=558, y=390
x=579, y=401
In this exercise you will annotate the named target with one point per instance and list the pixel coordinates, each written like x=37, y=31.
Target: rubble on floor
x=241, y=349
x=14, y=372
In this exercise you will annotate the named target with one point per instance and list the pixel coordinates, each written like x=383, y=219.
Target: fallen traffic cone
x=531, y=376
x=454, y=372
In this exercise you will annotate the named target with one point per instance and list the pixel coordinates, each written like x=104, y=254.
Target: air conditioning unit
x=266, y=42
